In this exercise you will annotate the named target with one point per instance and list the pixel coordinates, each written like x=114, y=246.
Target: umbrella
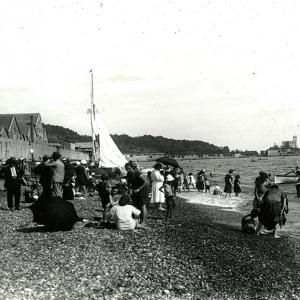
x=55, y=213
x=169, y=161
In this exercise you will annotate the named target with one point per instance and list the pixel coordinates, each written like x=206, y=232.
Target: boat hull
x=281, y=179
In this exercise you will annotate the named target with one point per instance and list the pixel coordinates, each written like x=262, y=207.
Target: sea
x=248, y=169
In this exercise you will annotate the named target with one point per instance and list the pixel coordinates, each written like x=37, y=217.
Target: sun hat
x=169, y=177
x=83, y=162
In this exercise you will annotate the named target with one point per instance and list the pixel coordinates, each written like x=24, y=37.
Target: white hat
x=83, y=162
x=78, y=163
x=169, y=177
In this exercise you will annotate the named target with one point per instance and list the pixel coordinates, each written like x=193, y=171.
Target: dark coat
x=11, y=182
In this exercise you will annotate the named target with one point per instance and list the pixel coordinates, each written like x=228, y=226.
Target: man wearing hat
x=58, y=174
x=13, y=177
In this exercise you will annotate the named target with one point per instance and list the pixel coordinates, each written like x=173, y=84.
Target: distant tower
x=295, y=141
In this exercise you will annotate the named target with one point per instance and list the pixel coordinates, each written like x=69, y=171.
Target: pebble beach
x=200, y=254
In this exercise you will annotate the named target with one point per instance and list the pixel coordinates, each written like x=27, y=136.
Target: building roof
x=24, y=121
x=5, y=120
x=3, y=130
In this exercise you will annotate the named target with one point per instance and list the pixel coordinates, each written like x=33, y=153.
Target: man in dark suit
x=13, y=177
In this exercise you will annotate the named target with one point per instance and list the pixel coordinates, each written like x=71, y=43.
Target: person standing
x=81, y=177
x=228, y=183
x=13, y=177
x=45, y=173
x=157, y=181
x=168, y=190
x=58, y=174
x=139, y=189
x=237, y=185
x=297, y=173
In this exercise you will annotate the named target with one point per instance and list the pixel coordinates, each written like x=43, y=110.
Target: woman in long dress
x=157, y=178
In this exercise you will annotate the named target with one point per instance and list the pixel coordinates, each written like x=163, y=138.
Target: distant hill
x=141, y=144
x=57, y=134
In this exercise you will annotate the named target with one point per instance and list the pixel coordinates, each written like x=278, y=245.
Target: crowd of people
x=126, y=201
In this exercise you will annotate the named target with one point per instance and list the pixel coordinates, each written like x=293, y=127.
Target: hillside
x=146, y=143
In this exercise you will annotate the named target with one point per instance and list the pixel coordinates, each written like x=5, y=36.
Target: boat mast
x=92, y=112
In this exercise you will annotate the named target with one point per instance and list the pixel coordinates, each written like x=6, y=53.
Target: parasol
x=169, y=161
x=55, y=213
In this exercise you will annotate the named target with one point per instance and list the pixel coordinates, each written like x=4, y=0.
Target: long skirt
x=271, y=209
x=156, y=195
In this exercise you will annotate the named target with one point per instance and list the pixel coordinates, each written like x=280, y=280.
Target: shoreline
x=200, y=254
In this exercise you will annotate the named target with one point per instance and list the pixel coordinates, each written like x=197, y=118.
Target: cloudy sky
x=223, y=71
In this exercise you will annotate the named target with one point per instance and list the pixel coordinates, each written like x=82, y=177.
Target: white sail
x=108, y=153
x=105, y=151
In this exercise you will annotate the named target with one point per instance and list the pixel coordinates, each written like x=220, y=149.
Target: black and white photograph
x=149, y=149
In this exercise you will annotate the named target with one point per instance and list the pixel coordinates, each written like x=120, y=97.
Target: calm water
x=248, y=170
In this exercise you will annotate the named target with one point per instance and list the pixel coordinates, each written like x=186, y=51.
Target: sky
x=224, y=72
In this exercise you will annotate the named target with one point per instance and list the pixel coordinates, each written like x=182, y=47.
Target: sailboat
x=105, y=151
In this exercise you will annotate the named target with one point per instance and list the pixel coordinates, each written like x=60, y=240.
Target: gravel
x=200, y=254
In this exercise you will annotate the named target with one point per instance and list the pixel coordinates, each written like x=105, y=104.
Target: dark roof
x=5, y=120
x=25, y=118
x=3, y=131
x=24, y=121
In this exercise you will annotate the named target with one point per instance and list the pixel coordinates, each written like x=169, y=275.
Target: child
x=185, y=183
x=206, y=184
x=180, y=183
x=217, y=190
x=168, y=190
x=248, y=223
x=192, y=180
x=236, y=185
x=104, y=191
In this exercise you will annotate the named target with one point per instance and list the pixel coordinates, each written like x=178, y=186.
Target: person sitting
x=248, y=222
x=217, y=190
x=124, y=215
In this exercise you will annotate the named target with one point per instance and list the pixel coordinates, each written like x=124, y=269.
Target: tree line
x=145, y=143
